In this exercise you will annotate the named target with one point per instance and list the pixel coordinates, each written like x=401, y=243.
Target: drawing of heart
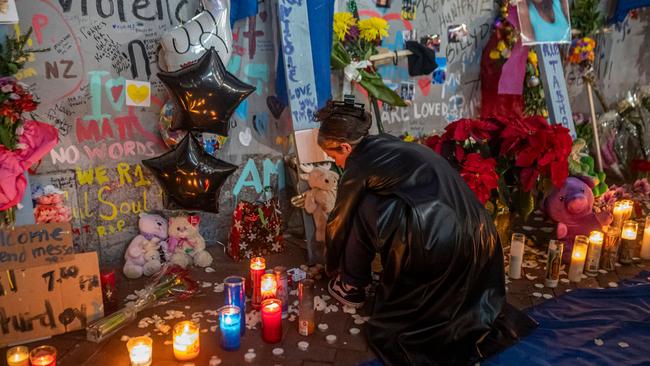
x=116, y=89
x=425, y=85
x=245, y=137
x=275, y=106
x=138, y=94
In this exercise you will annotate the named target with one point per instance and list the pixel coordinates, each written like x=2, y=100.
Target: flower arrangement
x=506, y=34
x=15, y=100
x=639, y=192
x=507, y=161
x=355, y=40
x=534, y=98
x=582, y=51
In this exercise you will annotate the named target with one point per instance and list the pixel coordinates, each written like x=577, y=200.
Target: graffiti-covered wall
x=93, y=47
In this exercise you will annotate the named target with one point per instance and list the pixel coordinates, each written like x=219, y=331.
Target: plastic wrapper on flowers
x=173, y=283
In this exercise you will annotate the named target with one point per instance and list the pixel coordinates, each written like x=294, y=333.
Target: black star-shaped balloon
x=191, y=177
x=206, y=94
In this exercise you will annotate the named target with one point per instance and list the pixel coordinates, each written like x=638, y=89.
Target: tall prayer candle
x=186, y=340
x=229, y=324
x=43, y=356
x=235, y=291
x=272, y=320
x=18, y=356
x=258, y=264
x=553, y=263
x=306, y=318
x=593, y=254
x=645, y=246
x=578, y=255
x=140, y=351
x=628, y=241
x=283, y=288
x=622, y=211
x=516, y=255
x=268, y=286
x=609, y=256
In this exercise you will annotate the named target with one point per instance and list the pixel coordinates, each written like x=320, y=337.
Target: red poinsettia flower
x=480, y=175
x=434, y=142
x=463, y=129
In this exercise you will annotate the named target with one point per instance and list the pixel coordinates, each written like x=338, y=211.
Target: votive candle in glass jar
x=517, y=244
x=43, y=356
x=268, y=286
x=235, y=291
x=645, y=244
x=622, y=211
x=18, y=356
x=140, y=351
x=186, y=340
x=609, y=256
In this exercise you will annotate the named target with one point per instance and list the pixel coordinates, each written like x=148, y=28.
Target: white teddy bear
x=186, y=243
x=143, y=255
x=320, y=198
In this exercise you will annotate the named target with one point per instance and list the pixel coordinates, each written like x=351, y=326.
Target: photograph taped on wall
x=8, y=12
x=544, y=21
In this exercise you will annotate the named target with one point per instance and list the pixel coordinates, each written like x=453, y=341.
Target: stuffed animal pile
x=160, y=241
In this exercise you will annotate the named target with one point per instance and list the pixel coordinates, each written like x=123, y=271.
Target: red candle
x=107, y=278
x=268, y=286
x=272, y=320
x=258, y=264
x=43, y=356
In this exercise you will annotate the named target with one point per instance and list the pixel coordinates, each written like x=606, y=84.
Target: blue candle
x=236, y=295
x=229, y=324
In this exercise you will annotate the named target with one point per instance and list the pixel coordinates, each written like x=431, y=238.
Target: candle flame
x=258, y=263
x=596, y=237
x=272, y=306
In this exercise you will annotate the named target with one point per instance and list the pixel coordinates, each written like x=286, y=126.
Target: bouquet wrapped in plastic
x=173, y=283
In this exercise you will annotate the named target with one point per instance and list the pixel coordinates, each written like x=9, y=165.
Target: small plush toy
x=146, y=252
x=572, y=208
x=186, y=243
x=320, y=198
x=582, y=164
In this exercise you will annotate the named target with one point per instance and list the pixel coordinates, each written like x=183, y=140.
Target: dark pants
x=361, y=244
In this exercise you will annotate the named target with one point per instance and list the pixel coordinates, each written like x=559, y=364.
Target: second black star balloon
x=206, y=94
x=191, y=178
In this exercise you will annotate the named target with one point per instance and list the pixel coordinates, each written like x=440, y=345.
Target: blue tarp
x=570, y=324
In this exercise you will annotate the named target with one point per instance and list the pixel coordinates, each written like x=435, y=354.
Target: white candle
x=186, y=340
x=628, y=241
x=140, y=351
x=516, y=255
x=578, y=256
x=645, y=246
x=622, y=211
x=593, y=255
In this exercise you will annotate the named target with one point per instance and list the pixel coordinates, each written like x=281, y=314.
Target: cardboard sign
x=308, y=149
x=557, y=96
x=46, y=300
x=33, y=245
x=299, y=69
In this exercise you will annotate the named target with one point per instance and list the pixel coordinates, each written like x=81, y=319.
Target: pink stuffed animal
x=572, y=207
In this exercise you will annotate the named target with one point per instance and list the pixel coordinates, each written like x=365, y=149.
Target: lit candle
x=578, y=255
x=593, y=255
x=268, y=286
x=628, y=241
x=43, y=356
x=229, y=324
x=258, y=264
x=272, y=320
x=140, y=351
x=622, y=211
x=18, y=356
x=609, y=256
x=282, y=293
x=645, y=246
x=516, y=255
x=235, y=291
x=186, y=340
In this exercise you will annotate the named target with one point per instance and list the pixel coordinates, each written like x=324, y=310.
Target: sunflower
x=342, y=23
x=373, y=29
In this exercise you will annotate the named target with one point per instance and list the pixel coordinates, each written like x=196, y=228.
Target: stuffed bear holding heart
x=186, y=243
x=146, y=252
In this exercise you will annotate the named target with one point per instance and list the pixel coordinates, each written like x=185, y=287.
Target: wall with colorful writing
x=436, y=102
x=93, y=47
